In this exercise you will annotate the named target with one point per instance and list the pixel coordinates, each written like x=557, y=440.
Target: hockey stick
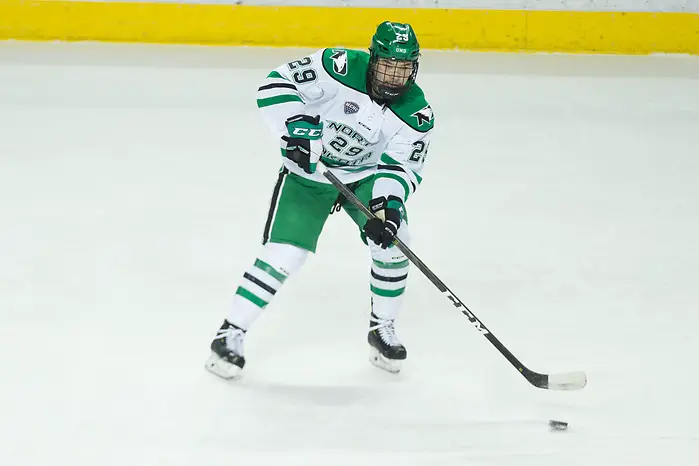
x=562, y=381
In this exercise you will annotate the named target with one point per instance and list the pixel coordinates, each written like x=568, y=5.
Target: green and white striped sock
x=262, y=280
x=388, y=281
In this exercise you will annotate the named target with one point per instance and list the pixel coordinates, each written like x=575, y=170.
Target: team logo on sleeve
x=351, y=107
x=339, y=58
x=423, y=115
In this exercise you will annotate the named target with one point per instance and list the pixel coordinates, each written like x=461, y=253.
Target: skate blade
x=389, y=365
x=222, y=368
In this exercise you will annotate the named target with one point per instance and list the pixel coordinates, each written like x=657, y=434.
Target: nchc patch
x=351, y=107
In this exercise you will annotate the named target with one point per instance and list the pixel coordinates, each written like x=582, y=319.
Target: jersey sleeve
x=288, y=89
x=399, y=170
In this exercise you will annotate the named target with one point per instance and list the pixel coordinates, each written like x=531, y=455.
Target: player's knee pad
x=285, y=258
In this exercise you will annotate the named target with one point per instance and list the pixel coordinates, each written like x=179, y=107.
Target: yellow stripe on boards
x=251, y=25
x=613, y=32
x=503, y=30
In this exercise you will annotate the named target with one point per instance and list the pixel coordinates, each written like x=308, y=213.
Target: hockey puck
x=558, y=425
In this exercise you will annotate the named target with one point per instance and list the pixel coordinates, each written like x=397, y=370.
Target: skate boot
x=227, y=359
x=386, y=351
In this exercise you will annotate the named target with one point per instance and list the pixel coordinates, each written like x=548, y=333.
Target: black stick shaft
x=536, y=379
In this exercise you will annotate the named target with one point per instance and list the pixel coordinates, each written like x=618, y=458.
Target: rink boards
x=469, y=29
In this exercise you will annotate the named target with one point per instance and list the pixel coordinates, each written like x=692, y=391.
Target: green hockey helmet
x=393, y=61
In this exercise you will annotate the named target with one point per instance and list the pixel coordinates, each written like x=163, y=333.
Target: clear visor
x=393, y=73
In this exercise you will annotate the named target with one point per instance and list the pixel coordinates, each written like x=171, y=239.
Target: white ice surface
x=560, y=202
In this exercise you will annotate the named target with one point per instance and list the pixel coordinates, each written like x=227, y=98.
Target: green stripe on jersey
x=280, y=99
x=256, y=300
x=388, y=160
x=330, y=163
x=387, y=293
x=265, y=267
x=275, y=74
x=399, y=179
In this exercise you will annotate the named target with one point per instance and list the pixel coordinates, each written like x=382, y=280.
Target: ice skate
x=386, y=352
x=227, y=359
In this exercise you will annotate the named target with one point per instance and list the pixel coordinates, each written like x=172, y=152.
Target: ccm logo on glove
x=307, y=132
x=303, y=145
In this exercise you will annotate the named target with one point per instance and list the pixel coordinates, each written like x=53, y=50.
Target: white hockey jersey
x=360, y=137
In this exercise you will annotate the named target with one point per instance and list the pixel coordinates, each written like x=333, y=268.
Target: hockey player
x=363, y=116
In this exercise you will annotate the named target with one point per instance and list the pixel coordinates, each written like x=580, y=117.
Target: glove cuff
x=377, y=204
x=394, y=202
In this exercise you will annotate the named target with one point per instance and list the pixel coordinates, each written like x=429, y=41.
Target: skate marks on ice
x=325, y=385
x=357, y=412
x=408, y=423
x=381, y=419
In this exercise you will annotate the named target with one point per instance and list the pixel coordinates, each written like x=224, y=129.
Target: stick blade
x=567, y=381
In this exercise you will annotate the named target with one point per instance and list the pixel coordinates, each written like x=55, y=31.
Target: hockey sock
x=262, y=280
x=389, y=276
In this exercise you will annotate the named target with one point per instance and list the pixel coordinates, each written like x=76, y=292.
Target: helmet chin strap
x=378, y=97
x=383, y=97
